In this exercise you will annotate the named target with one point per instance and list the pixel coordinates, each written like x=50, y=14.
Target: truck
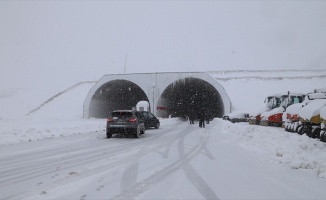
x=311, y=115
x=323, y=124
x=274, y=117
x=291, y=117
x=271, y=102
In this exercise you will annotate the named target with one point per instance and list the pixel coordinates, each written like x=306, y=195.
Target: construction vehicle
x=271, y=102
x=323, y=124
x=310, y=121
x=274, y=117
x=291, y=117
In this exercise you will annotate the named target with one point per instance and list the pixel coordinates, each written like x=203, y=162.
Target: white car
x=237, y=117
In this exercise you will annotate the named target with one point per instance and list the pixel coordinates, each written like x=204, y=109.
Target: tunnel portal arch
x=167, y=93
x=189, y=96
x=115, y=95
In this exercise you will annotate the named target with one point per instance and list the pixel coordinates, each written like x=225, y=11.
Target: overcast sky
x=58, y=41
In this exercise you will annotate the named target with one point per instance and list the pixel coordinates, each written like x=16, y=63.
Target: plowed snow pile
x=276, y=145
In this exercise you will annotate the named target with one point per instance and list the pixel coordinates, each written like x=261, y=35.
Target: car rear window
x=122, y=114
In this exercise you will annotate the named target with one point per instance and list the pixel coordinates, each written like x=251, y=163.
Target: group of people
x=201, y=117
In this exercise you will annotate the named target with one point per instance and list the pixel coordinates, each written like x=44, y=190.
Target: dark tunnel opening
x=115, y=95
x=191, y=95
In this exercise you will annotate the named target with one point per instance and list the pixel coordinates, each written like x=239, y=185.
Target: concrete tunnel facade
x=171, y=94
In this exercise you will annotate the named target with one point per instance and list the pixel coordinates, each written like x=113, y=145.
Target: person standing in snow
x=201, y=117
x=191, y=115
x=208, y=116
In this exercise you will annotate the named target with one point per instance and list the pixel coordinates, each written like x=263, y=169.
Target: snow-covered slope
x=248, y=89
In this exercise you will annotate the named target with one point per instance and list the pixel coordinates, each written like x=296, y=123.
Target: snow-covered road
x=177, y=161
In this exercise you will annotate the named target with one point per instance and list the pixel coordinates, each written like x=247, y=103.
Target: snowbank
x=277, y=145
x=59, y=117
x=29, y=129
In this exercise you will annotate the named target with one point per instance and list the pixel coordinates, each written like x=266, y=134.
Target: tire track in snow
x=76, y=156
x=129, y=178
x=102, y=150
x=133, y=189
x=197, y=181
x=24, y=169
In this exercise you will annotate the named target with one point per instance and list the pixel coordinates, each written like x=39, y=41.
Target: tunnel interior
x=189, y=96
x=115, y=95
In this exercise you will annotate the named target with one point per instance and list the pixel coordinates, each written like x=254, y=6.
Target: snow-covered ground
x=54, y=153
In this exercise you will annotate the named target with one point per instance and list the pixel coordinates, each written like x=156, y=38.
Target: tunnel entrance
x=189, y=96
x=115, y=95
x=168, y=94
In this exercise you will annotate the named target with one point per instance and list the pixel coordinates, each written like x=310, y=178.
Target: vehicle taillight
x=133, y=119
x=109, y=119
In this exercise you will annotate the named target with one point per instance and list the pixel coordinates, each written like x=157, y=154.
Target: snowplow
x=311, y=115
x=271, y=102
x=274, y=117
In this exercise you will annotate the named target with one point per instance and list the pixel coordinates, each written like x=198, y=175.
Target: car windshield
x=122, y=114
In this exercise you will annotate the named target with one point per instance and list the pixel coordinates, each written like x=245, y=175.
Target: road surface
x=177, y=161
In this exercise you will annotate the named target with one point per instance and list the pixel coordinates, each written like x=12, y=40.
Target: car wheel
x=142, y=131
x=157, y=126
x=108, y=134
x=316, y=133
x=308, y=132
x=300, y=130
x=136, y=133
x=287, y=129
x=294, y=127
x=323, y=136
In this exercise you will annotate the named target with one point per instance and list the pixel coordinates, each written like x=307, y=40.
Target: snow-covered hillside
x=248, y=89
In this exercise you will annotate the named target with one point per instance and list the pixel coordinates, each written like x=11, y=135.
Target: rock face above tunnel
x=169, y=94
